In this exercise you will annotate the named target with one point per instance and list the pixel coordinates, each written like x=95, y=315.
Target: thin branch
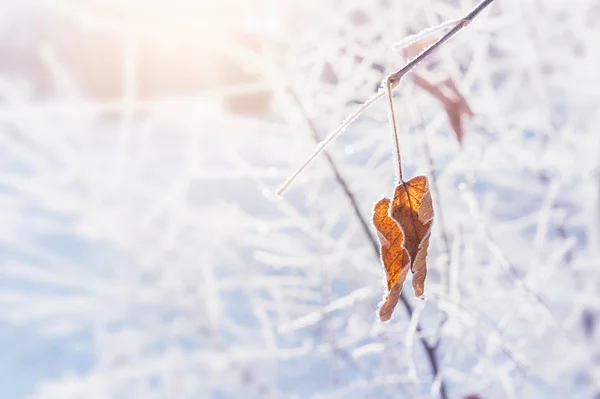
x=338, y=177
x=464, y=21
x=325, y=142
x=380, y=93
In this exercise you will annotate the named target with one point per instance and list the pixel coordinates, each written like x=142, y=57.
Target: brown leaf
x=393, y=256
x=404, y=233
x=463, y=107
x=456, y=107
x=416, y=48
x=412, y=209
x=451, y=98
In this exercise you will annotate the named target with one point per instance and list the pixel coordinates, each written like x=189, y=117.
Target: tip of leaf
x=385, y=319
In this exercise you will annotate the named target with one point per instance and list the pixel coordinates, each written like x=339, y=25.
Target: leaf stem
x=390, y=83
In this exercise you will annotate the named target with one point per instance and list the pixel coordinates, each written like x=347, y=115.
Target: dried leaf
x=404, y=232
x=446, y=92
x=451, y=98
x=393, y=256
x=416, y=48
x=412, y=209
x=463, y=107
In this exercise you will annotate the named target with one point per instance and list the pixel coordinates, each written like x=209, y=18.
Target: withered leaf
x=452, y=100
x=404, y=227
x=412, y=209
x=416, y=48
x=446, y=92
x=394, y=256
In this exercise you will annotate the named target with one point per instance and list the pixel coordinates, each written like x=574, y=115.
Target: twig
x=325, y=142
x=380, y=93
x=338, y=177
x=437, y=195
x=464, y=21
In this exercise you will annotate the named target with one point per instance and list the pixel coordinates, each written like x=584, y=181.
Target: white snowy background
x=144, y=254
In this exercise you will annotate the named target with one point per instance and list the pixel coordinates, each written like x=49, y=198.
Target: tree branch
x=464, y=21
x=393, y=82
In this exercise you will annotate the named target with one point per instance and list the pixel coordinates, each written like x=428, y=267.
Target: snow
x=145, y=254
